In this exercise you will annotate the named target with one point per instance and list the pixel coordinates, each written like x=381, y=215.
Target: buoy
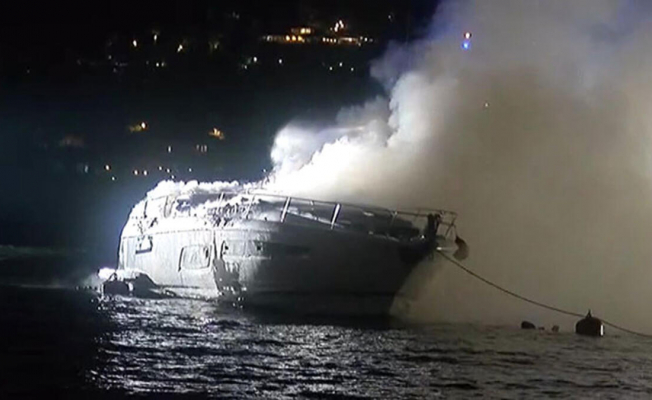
x=527, y=325
x=590, y=326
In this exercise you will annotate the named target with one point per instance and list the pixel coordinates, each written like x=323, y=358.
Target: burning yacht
x=268, y=250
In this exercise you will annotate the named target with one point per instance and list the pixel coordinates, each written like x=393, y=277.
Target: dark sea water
x=62, y=343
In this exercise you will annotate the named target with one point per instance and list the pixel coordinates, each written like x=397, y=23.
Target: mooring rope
x=529, y=300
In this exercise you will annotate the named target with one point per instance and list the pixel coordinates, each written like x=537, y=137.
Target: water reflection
x=184, y=346
x=71, y=344
x=187, y=346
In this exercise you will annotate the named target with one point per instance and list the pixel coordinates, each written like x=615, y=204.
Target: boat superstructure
x=270, y=250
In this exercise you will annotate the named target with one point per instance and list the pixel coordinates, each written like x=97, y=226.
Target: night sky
x=73, y=83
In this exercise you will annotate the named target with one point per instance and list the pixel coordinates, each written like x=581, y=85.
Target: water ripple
x=194, y=349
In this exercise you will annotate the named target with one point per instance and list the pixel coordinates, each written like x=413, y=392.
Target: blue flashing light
x=466, y=45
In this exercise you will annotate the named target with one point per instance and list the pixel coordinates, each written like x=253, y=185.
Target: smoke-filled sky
x=539, y=136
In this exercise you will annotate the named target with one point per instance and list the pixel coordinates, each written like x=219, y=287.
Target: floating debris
x=528, y=325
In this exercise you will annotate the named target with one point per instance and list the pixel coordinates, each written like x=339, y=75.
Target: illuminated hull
x=267, y=264
x=276, y=257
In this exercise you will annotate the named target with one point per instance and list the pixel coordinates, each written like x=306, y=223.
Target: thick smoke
x=538, y=135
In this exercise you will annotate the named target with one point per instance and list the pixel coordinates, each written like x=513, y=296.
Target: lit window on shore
x=139, y=127
x=216, y=133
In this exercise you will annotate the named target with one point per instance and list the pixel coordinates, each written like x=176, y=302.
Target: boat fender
x=462, y=252
x=590, y=326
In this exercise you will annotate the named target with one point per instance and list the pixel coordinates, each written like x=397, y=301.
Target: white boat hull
x=269, y=264
x=289, y=254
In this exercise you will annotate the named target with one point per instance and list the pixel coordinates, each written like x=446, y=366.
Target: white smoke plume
x=538, y=135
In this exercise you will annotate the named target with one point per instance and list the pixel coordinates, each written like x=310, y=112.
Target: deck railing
x=334, y=215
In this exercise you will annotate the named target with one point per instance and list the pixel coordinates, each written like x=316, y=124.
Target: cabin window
x=144, y=244
x=272, y=249
x=195, y=257
x=234, y=248
x=259, y=248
